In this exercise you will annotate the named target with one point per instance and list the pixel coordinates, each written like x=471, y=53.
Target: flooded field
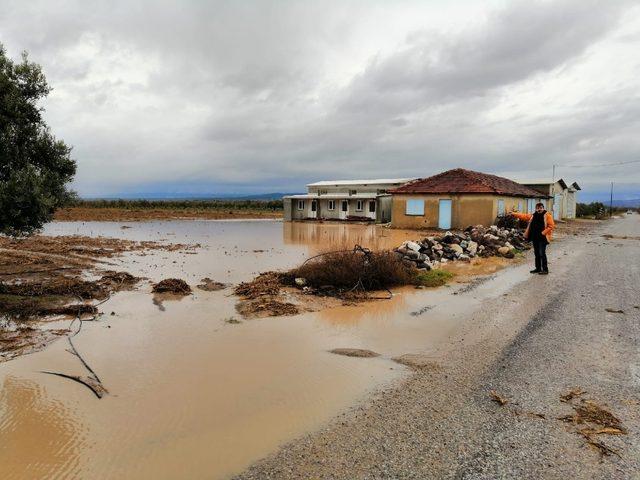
x=195, y=395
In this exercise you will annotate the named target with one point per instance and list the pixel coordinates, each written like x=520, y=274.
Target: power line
x=600, y=165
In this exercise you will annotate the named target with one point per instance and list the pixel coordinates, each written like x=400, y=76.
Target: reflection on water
x=329, y=236
x=38, y=436
x=193, y=396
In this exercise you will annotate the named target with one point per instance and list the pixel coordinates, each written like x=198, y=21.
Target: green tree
x=35, y=167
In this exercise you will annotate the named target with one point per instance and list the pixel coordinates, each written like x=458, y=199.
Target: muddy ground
x=45, y=279
x=543, y=384
x=124, y=215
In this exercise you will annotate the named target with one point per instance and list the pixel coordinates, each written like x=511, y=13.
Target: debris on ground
x=172, y=285
x=431, y=252
x=349, y=270
x=592, y=420
x=571, y=394
x=43, y=278
x=232, y=321
x=417, y=361
x=499, y=399
x=614, y=310
x=266, y=307
x=355, y=352
x=265, y=284
x=209, y=285
x=263, y=296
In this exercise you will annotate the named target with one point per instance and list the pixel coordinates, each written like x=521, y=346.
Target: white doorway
x=344, y=209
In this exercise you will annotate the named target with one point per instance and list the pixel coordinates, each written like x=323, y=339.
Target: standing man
x=539, y=231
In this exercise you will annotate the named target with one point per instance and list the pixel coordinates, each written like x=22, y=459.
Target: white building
x=355, y=200
x=564, y=196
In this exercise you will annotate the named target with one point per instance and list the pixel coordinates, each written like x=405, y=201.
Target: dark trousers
x=540, y=250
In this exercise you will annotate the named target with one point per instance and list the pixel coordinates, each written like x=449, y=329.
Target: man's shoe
x=535, y=271
x=544, y=272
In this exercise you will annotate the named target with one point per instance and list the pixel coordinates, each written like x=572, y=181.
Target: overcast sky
x=198, y=97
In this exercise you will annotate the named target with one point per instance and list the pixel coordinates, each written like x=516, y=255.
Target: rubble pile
x=475, y=241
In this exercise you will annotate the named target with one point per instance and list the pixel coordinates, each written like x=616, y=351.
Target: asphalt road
x=547, y=336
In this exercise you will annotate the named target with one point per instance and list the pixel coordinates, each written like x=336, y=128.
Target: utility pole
x=553, y=190
x=611, y=201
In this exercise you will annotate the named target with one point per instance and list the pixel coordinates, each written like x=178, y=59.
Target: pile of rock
x=479, y=241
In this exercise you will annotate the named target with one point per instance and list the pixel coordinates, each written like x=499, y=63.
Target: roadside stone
x=457, y=249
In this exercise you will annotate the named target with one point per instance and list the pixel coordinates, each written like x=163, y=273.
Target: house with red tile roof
x=458, y=198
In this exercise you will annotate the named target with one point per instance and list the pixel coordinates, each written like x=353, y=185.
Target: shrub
x=346, y=270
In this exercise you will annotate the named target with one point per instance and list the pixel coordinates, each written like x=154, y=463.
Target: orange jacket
x=549, y=224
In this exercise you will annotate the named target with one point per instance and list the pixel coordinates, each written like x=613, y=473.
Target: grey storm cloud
x=215, y=97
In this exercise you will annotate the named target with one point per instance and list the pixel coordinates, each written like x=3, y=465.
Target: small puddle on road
x=192, y=396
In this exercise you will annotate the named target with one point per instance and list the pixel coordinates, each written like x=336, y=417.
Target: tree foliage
x=592, y=210
x=35, y=167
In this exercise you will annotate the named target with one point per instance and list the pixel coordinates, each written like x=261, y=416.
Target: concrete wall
x=466, y=209
x=301, y=214
x=287, y=209
x=383, y=212
x=359, y=188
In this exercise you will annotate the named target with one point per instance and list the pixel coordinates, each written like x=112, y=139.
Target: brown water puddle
x=194, y=396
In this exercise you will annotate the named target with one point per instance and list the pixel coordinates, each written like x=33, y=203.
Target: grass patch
x=434, y=278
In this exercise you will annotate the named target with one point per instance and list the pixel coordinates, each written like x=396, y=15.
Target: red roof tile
x=460, y=180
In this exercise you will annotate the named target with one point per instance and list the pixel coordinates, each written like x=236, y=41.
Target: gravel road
x=547, y=336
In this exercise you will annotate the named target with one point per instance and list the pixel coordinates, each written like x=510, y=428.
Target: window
x=500, y=208
x=300, y=204
x=531, y=205
x=332, y=204
x=352, y=192
x=520, y=206
x=372, y=206
x=345, y=205
x=322, y=192
x=359, y=206
x=380, y=192
x=415, y=207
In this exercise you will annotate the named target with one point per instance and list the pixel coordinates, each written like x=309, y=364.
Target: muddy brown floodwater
x=194, y=391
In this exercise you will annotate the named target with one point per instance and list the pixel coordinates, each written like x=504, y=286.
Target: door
x=444, y=215
x=344, y=209
x=314, y=209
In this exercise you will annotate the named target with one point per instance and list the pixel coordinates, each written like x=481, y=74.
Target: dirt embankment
x=44, y=278
x=83, y=214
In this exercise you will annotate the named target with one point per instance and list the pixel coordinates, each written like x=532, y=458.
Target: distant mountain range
x=634, y=203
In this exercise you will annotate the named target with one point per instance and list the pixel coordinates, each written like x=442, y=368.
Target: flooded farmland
x=193, y=394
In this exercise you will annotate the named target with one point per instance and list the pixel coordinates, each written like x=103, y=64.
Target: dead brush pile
x=262, y=297
x=353, y=270
x=172, y=285
x=59, y=295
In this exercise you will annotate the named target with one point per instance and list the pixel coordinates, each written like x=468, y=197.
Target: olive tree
x=35, y=167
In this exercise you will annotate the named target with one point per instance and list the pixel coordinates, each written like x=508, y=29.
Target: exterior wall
x=287, y=209
x=466, y=209
x=301, y=214
x=570, y=204
x=324, y=211
x=552, y=189
x=344, y=189
x=383, y=210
